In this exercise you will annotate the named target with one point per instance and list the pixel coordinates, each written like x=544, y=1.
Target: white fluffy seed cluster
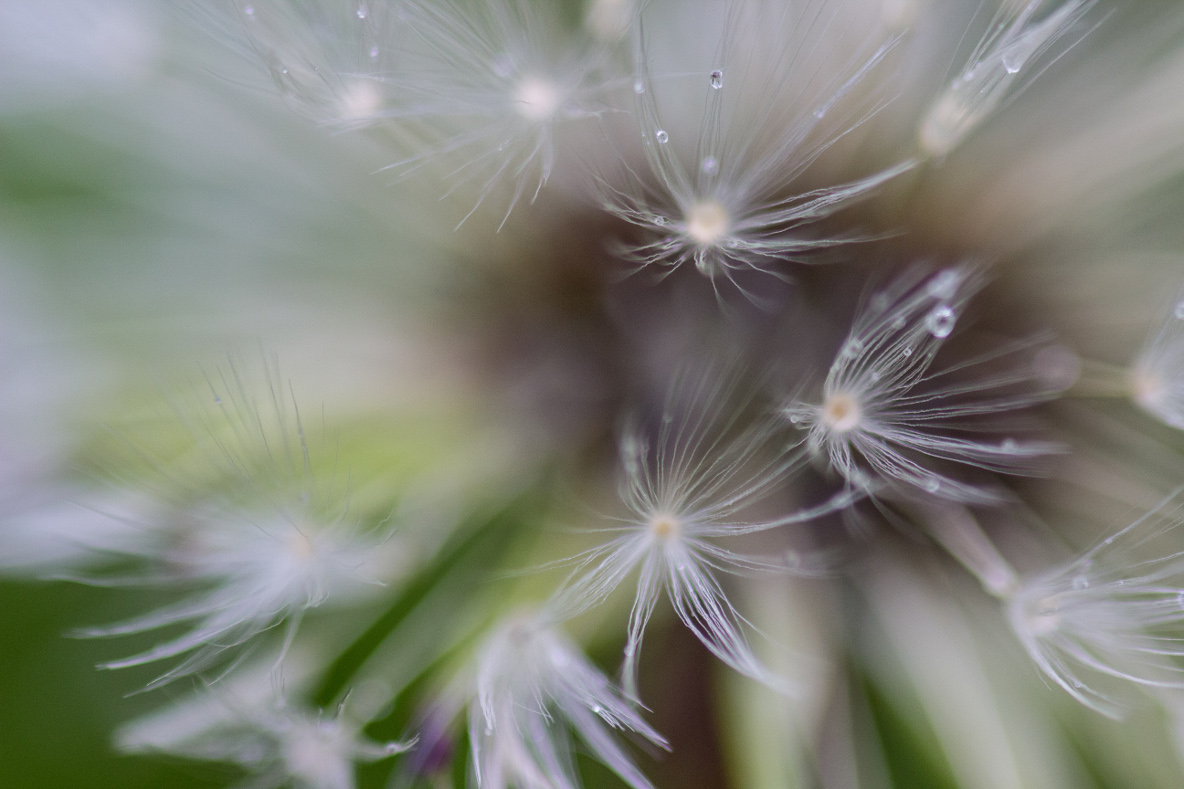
x=797, y=378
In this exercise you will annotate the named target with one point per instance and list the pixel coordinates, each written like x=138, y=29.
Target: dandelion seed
x=706, y=470
x=271, y=544
x=993, y=68
x=1112, y=614
x=883, y=412
x=279, y=745
x=532, y=686
x=491, y=83
x=734, y=208
x=335, y=62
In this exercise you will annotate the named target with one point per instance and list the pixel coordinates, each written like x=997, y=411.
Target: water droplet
x=819, y=113
x=717, y=79
x=597, y=709
x=361, y=12
x=1012, y=62
x=876, y=376
x=661, y=136
x=907, y=352
x=374, y=52
x=638, y=87
x=249, y=11
x=661, y=221
x=898, y=323
x=392, y=747
x=1179, y=311
x=794, y=419
x=1077, y=684
x=667, y=417
x=1080, y=582
x=1010, y=445
x=217, y=400
x=710, y=165
x=940, y=322
x=932, y=485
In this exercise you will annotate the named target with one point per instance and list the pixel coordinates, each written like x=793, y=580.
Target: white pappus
x=335, y=62
x=489, y=82
x=245, y=524
x=886, y=420
x=277, y=744
x=532, y=686
x=712, y=462
x=1013, y=45
x=1114, y=613
x=733, y=206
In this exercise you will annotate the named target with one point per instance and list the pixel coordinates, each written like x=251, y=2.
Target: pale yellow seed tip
x=537, y=99
x=708, y=223
x=665, y=527
x=841, y=412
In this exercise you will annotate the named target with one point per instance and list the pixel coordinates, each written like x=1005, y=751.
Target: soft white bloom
x=1014, y=44
x=490, y=82
x=278, y=745
x=264, y=542
x=732, y=205
x=707, y=469
x=1157, y=376
x=886, y=418
x=532, y=686
x=336, y=62
x=1113, y=613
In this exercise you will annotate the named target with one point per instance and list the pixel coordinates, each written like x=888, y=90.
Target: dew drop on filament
x=710, y=165
x=374, y=53
x=638, y=87
x=1012, y=62
x=940, y=322
x=717, y=79
x=661, y=136
x=361, y=12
